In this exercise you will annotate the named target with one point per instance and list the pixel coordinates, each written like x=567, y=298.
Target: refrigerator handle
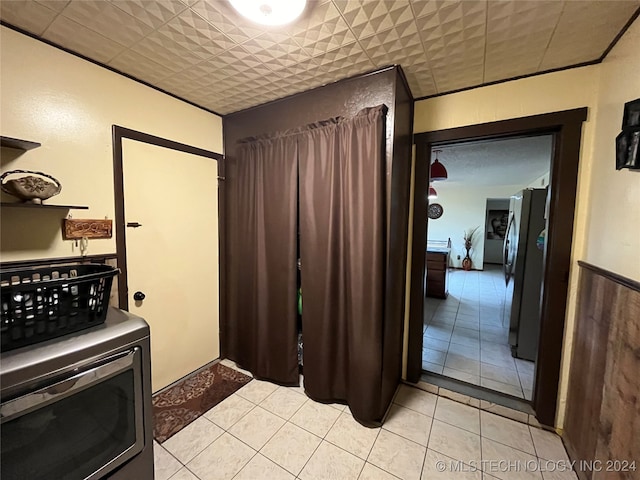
x=506, y=263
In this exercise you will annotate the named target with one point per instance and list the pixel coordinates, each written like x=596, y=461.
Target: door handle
x=133, y=224
x=139, y=296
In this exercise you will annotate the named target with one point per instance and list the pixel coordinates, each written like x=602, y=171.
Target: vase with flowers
x=469, y=237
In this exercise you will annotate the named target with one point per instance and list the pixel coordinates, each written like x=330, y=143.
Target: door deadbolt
x=133, y=224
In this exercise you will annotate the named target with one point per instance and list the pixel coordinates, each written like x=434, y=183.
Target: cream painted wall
x=465, y=207
x=69, y=105
x=613, y=219
x=552, y=92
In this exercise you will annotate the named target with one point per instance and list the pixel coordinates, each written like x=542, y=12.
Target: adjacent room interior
x=365, y=240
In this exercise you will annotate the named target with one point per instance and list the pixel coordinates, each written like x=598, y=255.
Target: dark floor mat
x=178, y=406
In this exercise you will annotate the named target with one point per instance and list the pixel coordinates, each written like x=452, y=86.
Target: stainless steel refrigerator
x=523, y=265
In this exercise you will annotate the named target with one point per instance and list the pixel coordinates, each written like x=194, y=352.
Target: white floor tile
x=506, y=431
x=330, y=462
x=409, y=424
x=455, y=442
x=441, y=467
x=184, y=474
x=416, y=399
x=257, y=427
x=499, y=374
x=229, y=411
x=397, y=455
x=164, y=464
x=257, y=390
x=463, y=364
x=192, y=439
x=467, y=351
x=371, y=472
x=221, y=460
x=498, y=460
x=349, y=435
x=432, y=367
x=435, y=344
x=548, y=445
x=457, y=414
x=291, y=447
x=284, y=402
x=316, y=418
x=433, y=356
x=514, y=390
x=261, y=467
x=463, y=376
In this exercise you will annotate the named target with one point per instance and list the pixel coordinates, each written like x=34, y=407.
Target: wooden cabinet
x=437, y=262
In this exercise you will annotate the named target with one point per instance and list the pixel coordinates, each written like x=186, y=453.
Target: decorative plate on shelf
x=435, y=211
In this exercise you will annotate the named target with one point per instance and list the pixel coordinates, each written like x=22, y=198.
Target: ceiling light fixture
x=433, y=195
x=438, y=172
x=269, y=12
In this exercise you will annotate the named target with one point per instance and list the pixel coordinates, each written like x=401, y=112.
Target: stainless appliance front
x=78, y=407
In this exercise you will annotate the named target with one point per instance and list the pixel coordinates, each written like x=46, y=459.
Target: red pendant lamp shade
x=433, y=195
x=438, y=172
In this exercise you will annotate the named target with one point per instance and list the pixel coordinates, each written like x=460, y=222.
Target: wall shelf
x=18, y=144
x=42, y=207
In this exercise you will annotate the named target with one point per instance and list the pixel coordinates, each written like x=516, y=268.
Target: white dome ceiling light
x=270, y=12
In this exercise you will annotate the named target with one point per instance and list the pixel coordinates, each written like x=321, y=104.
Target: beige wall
x=553, y=92
x=465, y=207
x=613, y=220
x=69, y=105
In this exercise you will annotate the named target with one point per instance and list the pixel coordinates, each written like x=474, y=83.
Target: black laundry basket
x=46, y=302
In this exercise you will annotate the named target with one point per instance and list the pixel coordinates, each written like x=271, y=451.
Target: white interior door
x=172, y=258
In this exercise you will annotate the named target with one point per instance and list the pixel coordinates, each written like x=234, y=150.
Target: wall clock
x=435, y=211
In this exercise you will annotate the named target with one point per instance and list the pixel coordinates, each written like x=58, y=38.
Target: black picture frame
x=627, y=149
x=631, y=115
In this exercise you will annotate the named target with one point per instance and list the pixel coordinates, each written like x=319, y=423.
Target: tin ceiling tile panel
x=450, y=79
x=585, y=30
x=276, y=50
x=371, y=16
x=164, y=51
x=322, y=30
x=57, y=5
x=192, y=32
x=152, y=13
x=518, y=34
x=140, y=66
x=387, y=46
x=30, y=16
x=205, y=52
x=421, y=82
x=82, y=40
x=107, y=20
x=422, y=8
x=220, y=14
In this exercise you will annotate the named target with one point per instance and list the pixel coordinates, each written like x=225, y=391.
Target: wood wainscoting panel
x=619, y=426
x=603, y=402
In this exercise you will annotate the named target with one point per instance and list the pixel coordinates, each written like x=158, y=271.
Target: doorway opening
x=566, y=130
x=482, y=328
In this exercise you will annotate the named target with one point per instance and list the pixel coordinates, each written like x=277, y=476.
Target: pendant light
x=438, y=172
x=270, y=12
x=433, y=195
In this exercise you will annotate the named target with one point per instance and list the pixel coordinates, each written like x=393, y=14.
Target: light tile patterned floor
x=264, y=431
x=465, y=338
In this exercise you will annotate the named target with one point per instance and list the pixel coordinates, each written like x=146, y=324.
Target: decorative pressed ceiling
x=203, y=51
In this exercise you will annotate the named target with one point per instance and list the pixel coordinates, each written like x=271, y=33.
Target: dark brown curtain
x=342, y=243
x=262, y=333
